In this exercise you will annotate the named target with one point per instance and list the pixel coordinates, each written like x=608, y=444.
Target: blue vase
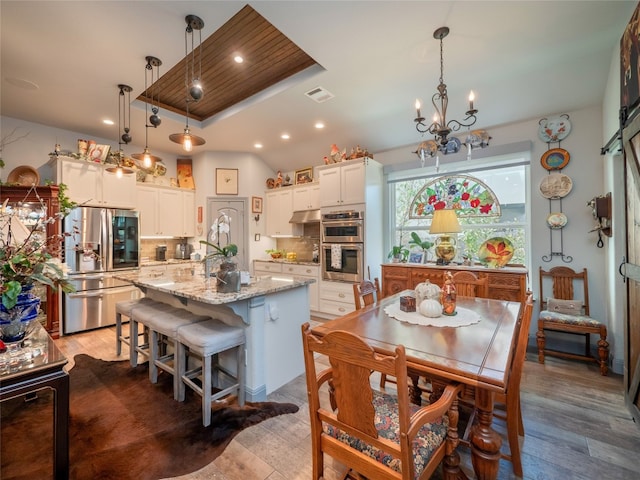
x=17, y=322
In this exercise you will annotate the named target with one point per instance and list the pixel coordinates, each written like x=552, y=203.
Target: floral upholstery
x=584, y=320
x=430, y=436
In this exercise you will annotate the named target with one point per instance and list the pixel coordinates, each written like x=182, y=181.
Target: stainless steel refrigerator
x=98, y=243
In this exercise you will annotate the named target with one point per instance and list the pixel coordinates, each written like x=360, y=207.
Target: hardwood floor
x=576, y=425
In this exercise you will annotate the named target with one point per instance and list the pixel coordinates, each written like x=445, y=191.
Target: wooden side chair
x=375, y=434
x=507, y=404
x=562, y=312
x=366, y=293
x=468, y=284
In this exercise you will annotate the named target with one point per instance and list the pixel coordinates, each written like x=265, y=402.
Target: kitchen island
x=271, y=310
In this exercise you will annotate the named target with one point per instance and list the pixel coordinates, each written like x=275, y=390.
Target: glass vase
x=228, y=277
x=17, y=322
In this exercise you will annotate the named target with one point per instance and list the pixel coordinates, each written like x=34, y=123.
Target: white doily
x=463, y=318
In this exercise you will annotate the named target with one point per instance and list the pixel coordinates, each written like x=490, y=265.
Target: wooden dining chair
x=366, y=293
x=507, y=404
x=372, y=433
x=563, y=312
x=468, y=284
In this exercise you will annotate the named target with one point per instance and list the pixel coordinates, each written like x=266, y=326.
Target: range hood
x=305, y=216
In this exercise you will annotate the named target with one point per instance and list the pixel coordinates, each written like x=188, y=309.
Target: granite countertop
x=203, y=289
x=170, y=261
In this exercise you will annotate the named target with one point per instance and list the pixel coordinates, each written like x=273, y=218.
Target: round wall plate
x=556, y=220
x=24, y=176
x=554, y=129
x=555, y=159
x=555, y=186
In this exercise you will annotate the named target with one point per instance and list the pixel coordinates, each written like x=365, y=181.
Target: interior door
x=631, y=269
x=235, y=211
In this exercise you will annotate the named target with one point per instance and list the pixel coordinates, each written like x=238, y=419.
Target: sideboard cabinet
x=508, y=283
x=32, y=204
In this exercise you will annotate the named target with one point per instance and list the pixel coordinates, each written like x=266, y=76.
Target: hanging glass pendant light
x=192, y=82
x=149, y=160
x=124, y=103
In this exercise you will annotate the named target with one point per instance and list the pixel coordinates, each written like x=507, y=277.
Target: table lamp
x=445, y=222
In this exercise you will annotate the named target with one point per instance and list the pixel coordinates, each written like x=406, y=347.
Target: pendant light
x=124, y=103
x=192, y=82
x=149, y=160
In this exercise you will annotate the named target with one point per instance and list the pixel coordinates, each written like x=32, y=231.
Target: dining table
x=477, y=353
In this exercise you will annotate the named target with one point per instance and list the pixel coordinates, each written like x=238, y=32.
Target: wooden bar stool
x=163, y=328
x=205, y=341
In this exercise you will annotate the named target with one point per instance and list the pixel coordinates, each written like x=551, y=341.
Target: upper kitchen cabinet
x=166, y=211
x=346, y=183
x=279, y=208
x=90, y=184
x=306, y=197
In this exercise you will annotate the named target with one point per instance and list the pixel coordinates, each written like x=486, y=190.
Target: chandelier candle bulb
x=471, y=99
x=418, y=108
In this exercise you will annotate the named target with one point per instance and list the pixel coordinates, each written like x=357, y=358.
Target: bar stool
x=141, y=314
x=206, y=340
x=124, y=308
x=163, y=328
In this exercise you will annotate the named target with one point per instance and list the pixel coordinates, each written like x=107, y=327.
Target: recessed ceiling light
x=257, y=145
x=285, y=136
x=238, y=58
x=319, y=125
x=108, y=122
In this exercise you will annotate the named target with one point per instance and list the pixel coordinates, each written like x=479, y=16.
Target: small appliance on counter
x=161, y=253
x=183, y=251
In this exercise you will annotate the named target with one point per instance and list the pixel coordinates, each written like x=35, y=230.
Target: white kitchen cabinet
x=279, y=208
x=291, y=270
x=307, y=271
x=336, y=298
x=92, y=185
x=306, y=197
x=342, y=184
x=165, y=211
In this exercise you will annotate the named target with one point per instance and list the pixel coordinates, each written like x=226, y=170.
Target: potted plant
x=275, y=253
x=228, y=276
x=417, y=242
x=26, y=259
x=398, y=253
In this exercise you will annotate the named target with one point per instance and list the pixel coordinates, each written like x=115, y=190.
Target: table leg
x=485, y=442
x=61, y=427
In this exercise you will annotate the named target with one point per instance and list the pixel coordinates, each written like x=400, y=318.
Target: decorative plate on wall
x=555, y=159
x=556, y=220
x=554, y=129
x=555, y=186
x=495, y=252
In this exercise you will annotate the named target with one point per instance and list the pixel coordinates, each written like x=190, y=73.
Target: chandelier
x=440, y=128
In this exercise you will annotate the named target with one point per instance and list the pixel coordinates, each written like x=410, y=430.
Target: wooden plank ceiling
x=270, y=57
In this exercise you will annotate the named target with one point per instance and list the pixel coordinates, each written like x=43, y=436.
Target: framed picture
x=304, y=176
x=256, y=204
x=416, y=257
x=226, y=181
x=629, y=68
x=98, y=153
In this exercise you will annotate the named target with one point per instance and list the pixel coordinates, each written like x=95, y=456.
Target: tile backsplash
x=303, y=246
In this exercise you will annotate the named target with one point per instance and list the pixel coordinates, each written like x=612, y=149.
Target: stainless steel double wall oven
x=342, y=251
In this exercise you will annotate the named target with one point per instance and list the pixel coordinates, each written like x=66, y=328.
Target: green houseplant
x=399, y=253
x=417, y=242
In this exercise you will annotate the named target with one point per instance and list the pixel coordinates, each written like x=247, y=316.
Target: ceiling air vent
x=319, y=95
